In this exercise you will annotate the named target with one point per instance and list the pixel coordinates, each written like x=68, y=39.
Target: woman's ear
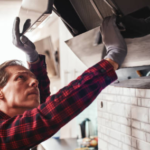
x=1, y=95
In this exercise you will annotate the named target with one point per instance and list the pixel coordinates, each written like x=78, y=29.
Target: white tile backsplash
x=145, y=127
x=140, y=113
x=143, y=145
x=124, y=121
x=143, y=93
x=139, y=134
x=148, y=137
x=145, y=102
x=136, y=124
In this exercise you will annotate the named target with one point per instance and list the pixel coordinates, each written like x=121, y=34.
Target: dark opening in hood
x=84, y=15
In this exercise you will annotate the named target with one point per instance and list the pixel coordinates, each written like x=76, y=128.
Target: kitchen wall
x=8, y=11
x=124, y=119
x=71, y=68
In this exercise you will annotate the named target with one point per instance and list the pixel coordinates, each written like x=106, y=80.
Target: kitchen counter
x=60, y=144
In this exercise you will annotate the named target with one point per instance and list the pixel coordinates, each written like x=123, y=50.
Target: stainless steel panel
x=86, y=12
x=103, y=8
x=138, y=50
x=138, y=83
x=35, y=11
x=82, y=46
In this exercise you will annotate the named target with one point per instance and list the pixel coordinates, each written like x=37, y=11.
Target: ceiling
x=8, y=11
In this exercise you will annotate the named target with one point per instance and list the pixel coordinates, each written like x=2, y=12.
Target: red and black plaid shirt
x=34, y=126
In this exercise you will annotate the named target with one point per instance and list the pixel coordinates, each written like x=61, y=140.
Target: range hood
x=83, y=18
x=85, y=15
x=137, y=59
x=84, y=48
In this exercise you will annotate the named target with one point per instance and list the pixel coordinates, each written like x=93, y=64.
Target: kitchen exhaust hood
x=133, y=21
x=85, y=15
x=136, y=64
x=84, y=48
x=83, y=18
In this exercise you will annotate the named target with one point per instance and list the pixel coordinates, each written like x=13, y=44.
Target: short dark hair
x=4, y=75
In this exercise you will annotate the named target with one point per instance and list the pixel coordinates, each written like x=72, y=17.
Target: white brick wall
x=145, y=127
x=140, y=113
x=124, y=119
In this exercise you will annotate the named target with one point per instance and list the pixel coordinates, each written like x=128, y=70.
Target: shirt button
x=43, y=65
x=102, y=70
x=107, y=78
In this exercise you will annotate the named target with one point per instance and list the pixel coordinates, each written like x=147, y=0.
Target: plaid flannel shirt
x=34, y=126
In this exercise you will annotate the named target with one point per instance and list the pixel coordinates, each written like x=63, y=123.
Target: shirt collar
x=3, y=115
